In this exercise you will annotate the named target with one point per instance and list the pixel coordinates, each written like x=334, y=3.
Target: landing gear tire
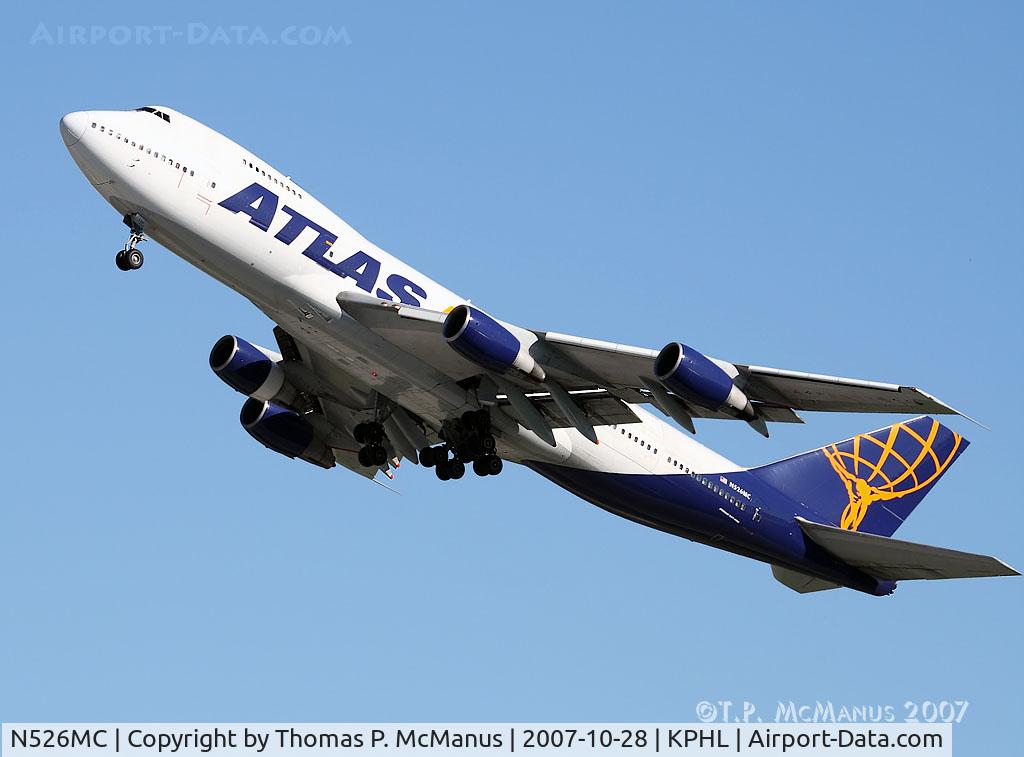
x=120, y=262
x=457, y=470
x=133, y=259
x=372, y=456
x=489, y=465
x=427, y=459
x=487, y=444
x=442, y=471
x=359, y=433
x=368, y=433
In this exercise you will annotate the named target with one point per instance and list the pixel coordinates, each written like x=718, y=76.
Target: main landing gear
x=467, y=440
x=371, y=435
x=130, y=258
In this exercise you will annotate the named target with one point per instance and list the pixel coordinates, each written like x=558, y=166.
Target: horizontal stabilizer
x=801, y=582
x=895, y=560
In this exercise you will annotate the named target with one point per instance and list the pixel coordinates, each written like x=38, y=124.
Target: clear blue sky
x=830, y=187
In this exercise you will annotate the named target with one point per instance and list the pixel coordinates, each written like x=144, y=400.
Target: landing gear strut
x=468, y=440
x=130, y=258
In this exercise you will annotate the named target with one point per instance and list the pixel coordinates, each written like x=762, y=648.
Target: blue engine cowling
x=284, y=431
x=686, y=372
x=247, y=368
x=481, y=339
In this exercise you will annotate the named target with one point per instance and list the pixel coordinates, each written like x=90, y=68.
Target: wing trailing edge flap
x=769, y=413
x=895, y=560
x=600, y=406
x=349, y=459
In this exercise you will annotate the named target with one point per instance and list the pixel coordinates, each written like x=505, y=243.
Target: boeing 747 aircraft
x=375, y=363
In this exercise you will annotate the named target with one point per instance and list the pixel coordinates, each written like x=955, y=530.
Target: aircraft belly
x=664, y=502
x=676, y=504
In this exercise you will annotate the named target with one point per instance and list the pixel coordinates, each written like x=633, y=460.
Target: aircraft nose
x=72, y=126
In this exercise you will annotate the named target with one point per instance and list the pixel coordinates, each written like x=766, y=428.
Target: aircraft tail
x=872, y=482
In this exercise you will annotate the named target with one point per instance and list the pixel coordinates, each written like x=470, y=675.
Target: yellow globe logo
x=874, y=471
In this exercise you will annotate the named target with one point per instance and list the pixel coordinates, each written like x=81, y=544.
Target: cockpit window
x=157, y=113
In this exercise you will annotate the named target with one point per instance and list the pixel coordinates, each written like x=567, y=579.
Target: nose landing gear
x=130, y=258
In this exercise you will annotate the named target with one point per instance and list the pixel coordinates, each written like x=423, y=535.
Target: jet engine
x=249, y=369
x=284, y=431
x=686, y=372
x=483, y=340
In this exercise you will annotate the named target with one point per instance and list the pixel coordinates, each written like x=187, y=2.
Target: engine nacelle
x=249, y=369
x=483, y=340
x=284, y=431
x=686, y=372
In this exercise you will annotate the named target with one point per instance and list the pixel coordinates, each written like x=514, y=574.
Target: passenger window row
x=679, y=465
x=163, y=158
x=632, y=437
x=721, y=491
x=711, y=485
x=270, y=177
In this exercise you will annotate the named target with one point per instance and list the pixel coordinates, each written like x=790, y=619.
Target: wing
x=626, y=373
x=773, y=387
x=326, y=392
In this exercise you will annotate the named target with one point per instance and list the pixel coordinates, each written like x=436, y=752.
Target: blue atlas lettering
x=257, y=202
x=405, y=289
x=299, y=223
x=360, y=267
x=260, y=204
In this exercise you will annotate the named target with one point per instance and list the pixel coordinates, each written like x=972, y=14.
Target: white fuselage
x=174, y=172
